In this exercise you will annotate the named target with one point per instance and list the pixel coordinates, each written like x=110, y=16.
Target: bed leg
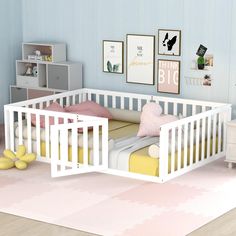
x=230, y=165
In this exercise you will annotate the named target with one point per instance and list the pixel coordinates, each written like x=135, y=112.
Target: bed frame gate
x=79, y=147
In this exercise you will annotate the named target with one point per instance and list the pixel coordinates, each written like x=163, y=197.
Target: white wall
x=83, y=24
x=10, y=46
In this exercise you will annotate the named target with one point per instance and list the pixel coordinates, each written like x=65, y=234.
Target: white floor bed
x=186, y=144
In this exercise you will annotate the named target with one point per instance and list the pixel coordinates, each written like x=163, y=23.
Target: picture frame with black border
x=113, y=56
x=140, y=59
x=167, y=87
x=169, y=42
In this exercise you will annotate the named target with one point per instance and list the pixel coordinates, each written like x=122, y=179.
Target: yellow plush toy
x=19, y=159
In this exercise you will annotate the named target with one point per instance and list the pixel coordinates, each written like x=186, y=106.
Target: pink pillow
x=52, y=107
x=89, y=106
x=152, y=108
x=151, y=121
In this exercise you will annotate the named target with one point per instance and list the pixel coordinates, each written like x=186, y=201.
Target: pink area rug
x=110, y=205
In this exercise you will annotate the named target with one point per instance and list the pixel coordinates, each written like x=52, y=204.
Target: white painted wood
x=20, y=125
x=105, y=143
x=219, y=132
x=7, y=126
x=113, y=101
x=173, y=139
x=175, y=109
x=208, y=136
x=166, y=108
x=29, y=139
x=63, y=148
x=38, y=138
x=214, y=134
x=85, y=146
x=96, y=145
x=163, y=160
x=191, y=142
x=179, y=147
x=47, y=135
x=74, y=148
x=197, y=158
x=186, y=144
x=68, y=168
x=11, y=128
x=203, y=138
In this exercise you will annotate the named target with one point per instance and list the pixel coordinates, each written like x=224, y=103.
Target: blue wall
x=83, y=24
x=10, y=46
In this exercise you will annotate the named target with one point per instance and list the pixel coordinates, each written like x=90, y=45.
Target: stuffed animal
x=20, y=159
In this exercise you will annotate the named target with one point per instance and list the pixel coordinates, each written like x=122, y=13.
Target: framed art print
x=169, y=42
x=168, y=76
x=113, y=56
x=140, y=59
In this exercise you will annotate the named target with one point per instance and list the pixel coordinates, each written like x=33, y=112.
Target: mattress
x=140, y=162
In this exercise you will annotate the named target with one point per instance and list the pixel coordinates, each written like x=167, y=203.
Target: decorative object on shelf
x=201, y=51
x=168, y=76
x=50, y=52
x=37, y=53
x=209, y=61
x=205, y=81
x=29, y=69
x=113, y=56
x=35, y=71
x=140, y=59
x=169, y=42
x=201, y=63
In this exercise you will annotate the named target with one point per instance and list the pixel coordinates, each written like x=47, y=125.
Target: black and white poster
x=169, y=42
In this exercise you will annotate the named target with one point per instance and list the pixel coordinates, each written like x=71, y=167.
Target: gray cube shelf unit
x=53, y=73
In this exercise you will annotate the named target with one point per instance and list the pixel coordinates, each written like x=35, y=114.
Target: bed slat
x=172, y=150
x=74, y=148
x=179, y=146
x=203, y=138
x=96, y=145
x=63, y=148
x=38, y=135
x=214, y=134
x=29, y=138
x=85, y=146
x=219, y=133
x=208, y=136
x=185, y=144
x=197, y=140
x=191, y=142
x=20, y=128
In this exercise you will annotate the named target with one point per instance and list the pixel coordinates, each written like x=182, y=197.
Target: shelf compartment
x=36, y=93
x=18, y=94
x=58, y=77
x=56, y=51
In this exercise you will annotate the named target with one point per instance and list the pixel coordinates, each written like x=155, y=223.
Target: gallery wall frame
x=168, y=72
x=169, y=42
x=140, y=59
x=113, y=56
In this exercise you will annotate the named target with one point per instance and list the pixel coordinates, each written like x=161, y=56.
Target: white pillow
x=125, y=115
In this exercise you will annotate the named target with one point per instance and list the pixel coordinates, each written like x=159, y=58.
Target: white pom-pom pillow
x=151, y=120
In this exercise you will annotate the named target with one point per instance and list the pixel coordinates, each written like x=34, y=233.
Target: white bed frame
x=204, y=120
